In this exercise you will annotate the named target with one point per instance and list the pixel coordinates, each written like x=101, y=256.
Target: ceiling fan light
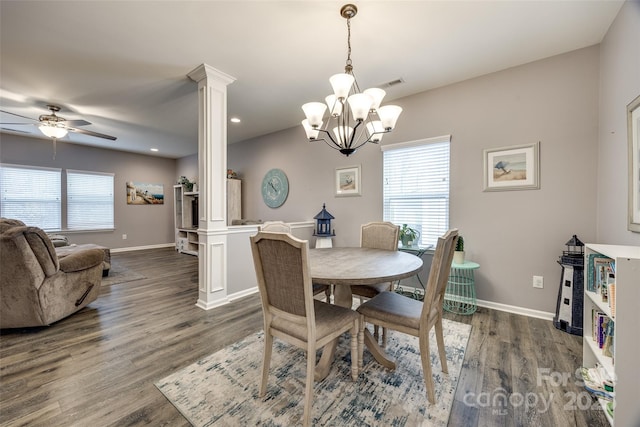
x=341, y=84
x=314, y=112
x=53, y=131
x=377, y=95
x=389, y=116
x=360, y=104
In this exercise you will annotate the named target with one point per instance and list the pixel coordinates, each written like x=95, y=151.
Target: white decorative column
x=212, y=181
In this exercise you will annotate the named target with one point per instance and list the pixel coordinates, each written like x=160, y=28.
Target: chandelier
x=355, y=117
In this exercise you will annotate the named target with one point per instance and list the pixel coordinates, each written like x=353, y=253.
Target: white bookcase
x=624, y=366
x=186, y=230
x=186, y=223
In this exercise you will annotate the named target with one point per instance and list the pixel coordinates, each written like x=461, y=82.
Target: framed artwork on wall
x=142, y=193
x=348, y=181
x=633, y=134
x=512, y=168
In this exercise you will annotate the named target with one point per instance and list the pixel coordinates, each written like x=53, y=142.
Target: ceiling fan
x=57, y=127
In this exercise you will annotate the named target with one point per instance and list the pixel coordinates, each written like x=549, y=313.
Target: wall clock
x=275, y=188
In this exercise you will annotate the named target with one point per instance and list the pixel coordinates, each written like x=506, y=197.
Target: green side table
x=460, y=295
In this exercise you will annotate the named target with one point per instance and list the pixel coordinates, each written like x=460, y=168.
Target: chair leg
x=308, y=390
x=266, y=362
x=441, y=350
x=361, y=343
x=355, y=350
x=426, y=367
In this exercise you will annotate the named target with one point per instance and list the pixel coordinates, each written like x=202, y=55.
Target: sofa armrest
x=81, y=260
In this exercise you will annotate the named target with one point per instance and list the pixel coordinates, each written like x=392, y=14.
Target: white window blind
x=31, y=195
x=89, y=200
x=416, y=186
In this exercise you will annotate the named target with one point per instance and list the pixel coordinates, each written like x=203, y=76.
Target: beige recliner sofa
x=36, y=288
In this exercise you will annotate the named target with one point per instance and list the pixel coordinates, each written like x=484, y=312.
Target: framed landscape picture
x=512, y=168
x=633, y=134
x=348, y=181
x=142, y=193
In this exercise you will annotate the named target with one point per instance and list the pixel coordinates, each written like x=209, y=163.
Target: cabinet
x=623, y=366
x=186, y=214
x=186, y=220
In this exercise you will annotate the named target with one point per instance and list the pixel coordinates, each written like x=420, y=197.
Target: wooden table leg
x=342, y=297
x=372, y=344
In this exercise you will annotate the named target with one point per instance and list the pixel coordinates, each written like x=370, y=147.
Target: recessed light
x=234, y=120
x=154, y=149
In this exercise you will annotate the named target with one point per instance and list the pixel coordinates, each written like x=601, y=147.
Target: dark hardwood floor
x=97, y=367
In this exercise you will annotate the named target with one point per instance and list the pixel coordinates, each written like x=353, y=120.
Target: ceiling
x=122, y=65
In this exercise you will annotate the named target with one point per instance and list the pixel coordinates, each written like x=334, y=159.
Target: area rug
x=120, y=274
x=222, y=389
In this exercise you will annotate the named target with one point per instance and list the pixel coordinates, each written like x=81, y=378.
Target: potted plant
x=408, y=235
x=458, y=254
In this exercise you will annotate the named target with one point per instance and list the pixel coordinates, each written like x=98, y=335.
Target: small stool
x=460, y=295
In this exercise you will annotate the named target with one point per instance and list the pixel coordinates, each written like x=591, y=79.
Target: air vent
x=392, y=83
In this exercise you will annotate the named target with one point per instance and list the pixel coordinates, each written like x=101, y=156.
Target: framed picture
x=348, y=181
x=142, y=193
x=512, y=168
x=633, y=134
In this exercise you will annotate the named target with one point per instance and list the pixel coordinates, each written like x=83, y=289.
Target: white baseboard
x=516, y=310
x=140, y=248
x=508, y=308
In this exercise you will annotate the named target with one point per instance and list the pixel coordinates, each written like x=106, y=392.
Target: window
x=416, y=186
x=31, y=195
x=89, y=200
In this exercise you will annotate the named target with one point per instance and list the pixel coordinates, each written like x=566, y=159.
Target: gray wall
x=143, y=225
x=512, y=234
x=619, y=85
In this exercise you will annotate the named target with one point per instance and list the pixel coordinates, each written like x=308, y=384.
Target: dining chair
x=291, y=313
x=282, y=227
x=400, y=313
x=377, y=235
x=276, y=226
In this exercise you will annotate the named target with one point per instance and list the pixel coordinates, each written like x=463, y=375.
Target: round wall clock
x=275, y=188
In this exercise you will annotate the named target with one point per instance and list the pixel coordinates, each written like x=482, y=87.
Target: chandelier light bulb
x=389, y=116
x=341, y=84
x=375, y=131
x=360, y=104
x=311, y=132
x=335, y=106
x=314, y=112
x=377, y=95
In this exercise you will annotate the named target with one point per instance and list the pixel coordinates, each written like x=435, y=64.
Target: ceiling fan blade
x=18, y=115
x=78, y=122
x=15, y=130
x=91, y=133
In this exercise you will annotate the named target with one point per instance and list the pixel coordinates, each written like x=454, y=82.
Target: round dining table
x=343, y=267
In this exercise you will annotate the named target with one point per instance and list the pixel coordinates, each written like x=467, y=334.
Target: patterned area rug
x=120, y=274
x=222, y=389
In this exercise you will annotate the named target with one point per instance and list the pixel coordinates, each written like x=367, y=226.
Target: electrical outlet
x=124, y=237
x=538, y=282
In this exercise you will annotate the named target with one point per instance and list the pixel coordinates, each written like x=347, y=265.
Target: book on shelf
x=612, y=299
x=598, y=267
x=602, y=331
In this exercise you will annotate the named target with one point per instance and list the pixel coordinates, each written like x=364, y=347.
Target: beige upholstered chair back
x=379, y=235
x=282, y=269
x=439, y=275
x=275, y=227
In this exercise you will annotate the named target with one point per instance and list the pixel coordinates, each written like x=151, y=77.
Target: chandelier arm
x=328, y=134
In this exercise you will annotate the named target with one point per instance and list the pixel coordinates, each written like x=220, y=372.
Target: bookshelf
x=623, y=366
x=185, y=212
x=185, y=221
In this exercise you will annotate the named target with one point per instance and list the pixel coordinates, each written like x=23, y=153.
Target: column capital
x=204, y=71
